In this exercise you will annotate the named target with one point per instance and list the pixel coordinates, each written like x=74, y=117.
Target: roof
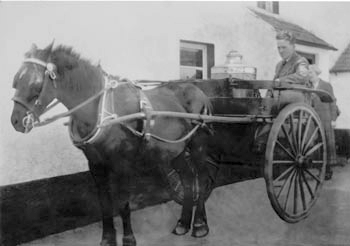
x=302, y=36
x=343, y=62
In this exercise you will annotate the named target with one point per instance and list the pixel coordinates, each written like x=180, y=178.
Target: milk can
x=235, y=68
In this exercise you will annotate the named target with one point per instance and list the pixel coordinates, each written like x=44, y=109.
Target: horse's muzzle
x=16, y=121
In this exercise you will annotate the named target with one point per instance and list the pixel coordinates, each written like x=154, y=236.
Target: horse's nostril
x=14, y=121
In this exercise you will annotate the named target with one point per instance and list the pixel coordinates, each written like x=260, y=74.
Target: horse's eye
x=38, y=89
x=35, y=90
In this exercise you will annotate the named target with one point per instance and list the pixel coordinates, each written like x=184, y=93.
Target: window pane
x=275, y=6
x=311, y=58
x=191, y=57
x=262, y=4
x=190, y=73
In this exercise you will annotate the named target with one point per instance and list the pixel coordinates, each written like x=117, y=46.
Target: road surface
x=238, y=214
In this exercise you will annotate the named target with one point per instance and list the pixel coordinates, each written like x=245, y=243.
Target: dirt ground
x=238, y=214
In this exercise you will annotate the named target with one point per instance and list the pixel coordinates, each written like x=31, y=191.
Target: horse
x=114, y=152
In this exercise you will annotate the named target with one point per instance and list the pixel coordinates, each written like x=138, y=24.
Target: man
x=328, y=113
x=292, y=69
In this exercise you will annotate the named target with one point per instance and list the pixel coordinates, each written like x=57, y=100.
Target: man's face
x=285, y=48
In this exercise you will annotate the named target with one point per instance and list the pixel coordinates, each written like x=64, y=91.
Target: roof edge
x=257, y=11
x=327, y=47
x=339, y=70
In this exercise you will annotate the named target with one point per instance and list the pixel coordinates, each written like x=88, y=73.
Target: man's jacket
x=294, y=70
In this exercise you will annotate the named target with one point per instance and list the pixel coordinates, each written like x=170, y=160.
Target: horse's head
x=34, y=84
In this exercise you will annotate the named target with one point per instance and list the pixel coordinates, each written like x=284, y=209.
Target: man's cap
x=285, y=35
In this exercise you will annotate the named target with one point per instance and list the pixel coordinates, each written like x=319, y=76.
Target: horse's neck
x=81, y=86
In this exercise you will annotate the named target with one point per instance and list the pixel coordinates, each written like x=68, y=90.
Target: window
x=196, y=59
x=311, y=58
x=269, y=6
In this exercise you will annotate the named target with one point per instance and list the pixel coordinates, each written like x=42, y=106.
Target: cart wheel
x=175, y=184
x=295, y=161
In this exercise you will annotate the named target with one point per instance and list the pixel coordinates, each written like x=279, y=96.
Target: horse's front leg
x=128, y=234
x=121, y=192
x=100, y=175
x=200, y=226
x=187, y=176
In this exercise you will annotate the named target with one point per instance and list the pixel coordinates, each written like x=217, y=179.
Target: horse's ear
x=33, y=47
x=50, y=46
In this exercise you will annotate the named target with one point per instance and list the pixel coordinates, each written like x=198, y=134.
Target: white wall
x=341, y=85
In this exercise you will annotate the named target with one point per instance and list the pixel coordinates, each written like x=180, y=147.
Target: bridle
x=32, y=116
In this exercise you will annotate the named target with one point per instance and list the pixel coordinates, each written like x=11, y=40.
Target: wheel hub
x=303, y=161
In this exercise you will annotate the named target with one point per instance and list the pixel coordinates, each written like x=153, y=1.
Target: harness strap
x=146, y=107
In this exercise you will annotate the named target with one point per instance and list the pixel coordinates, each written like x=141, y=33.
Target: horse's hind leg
x=186, y=175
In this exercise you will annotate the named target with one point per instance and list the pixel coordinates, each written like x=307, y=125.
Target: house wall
x=340, y=82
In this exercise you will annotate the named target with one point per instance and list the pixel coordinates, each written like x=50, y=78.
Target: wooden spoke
x=310, y=139
x=290, y=141
x=285, y=150
x=295, y=144
x=313, y=149
x=289, y=188
x=285, y=182
x=284, y=174
x=295, y=205
x=177, y=186
x=313, y=176
x=172, y=172
x=302, y=193
x=307, y=185
x=306, y=131
x=284, y=162
x=300, y=130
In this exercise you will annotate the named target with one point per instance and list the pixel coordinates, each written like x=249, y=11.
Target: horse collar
x=107, y=112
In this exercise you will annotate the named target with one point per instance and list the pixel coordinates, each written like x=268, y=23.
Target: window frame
x=269, y=6
x=196, y=46
x=308, y=56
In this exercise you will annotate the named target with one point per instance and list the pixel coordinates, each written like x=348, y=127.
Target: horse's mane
x=66, y=59
x=69, y=51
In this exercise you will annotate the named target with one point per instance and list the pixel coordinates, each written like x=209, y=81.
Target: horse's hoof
x=180, y=229
x=329, y=174
x=108, y=242
x=200, y=229
x=129, y=240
